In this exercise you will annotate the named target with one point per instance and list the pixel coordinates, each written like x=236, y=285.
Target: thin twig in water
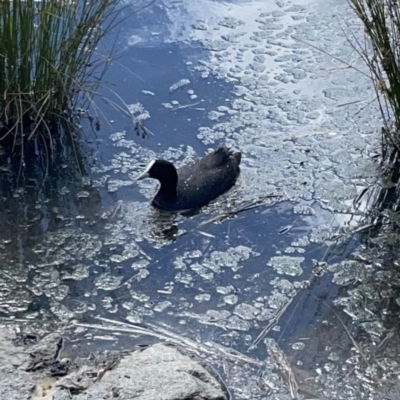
x=350, y=103
x=180, y=107
x=280, y=359
x=356, y=345
x=231, y=213
x=170, y=336
x=330, y=55
x=272, y=323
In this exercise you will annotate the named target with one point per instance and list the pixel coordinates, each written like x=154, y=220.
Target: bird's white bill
x=143, y=175
x=146, y=172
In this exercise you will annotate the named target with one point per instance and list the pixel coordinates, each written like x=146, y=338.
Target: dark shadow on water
x=39, y=199
x=164, y=224
x=66, y=156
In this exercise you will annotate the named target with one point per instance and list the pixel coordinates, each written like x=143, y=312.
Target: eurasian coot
x=193, y=185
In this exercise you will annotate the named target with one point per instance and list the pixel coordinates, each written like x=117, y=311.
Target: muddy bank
x=34, y=371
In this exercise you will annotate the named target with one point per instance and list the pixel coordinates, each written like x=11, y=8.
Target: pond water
x=237, y=278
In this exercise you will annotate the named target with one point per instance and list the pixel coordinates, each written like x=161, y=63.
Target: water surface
x=196, y=75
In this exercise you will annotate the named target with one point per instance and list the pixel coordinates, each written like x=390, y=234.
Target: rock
x=15, y=384
x=11, y=355
x=159, y=372
x=44, y=354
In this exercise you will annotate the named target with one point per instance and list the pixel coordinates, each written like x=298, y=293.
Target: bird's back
x=203, y=181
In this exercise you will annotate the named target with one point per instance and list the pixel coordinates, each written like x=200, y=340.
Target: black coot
x=193, y=185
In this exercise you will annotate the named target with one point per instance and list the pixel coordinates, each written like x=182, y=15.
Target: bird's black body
x=193, y=185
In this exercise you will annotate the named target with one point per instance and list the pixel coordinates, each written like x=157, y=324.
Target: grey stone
x=10, y=354
x=15, y=384
x=44, y=353
x=159, y=372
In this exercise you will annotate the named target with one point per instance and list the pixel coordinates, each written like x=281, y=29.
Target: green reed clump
x=47, y=64
x=381, y=20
